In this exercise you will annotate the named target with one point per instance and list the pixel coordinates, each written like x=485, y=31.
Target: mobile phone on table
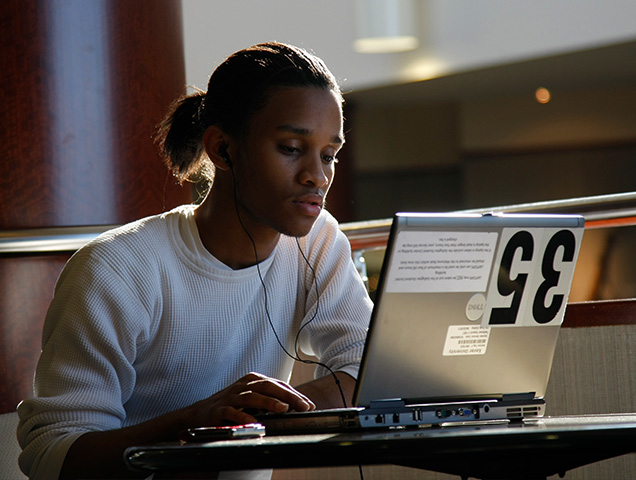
x=212, y=434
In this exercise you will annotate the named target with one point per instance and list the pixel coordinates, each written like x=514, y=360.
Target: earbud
x=224, y=155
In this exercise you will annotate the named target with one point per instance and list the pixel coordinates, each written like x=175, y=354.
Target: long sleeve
x=86, y=372
x=338, y=307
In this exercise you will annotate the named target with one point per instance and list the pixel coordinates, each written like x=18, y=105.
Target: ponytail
x=179, y=136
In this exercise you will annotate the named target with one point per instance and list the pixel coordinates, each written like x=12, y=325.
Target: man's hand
x=253, y=392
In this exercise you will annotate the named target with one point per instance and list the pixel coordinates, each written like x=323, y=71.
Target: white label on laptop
x=441, y=262
x=532, y=277
x=466, y=340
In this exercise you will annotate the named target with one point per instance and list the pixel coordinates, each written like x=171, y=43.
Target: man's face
x=284, y=173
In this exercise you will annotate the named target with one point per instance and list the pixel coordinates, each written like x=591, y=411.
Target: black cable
x=296, y=356
x=296, y=347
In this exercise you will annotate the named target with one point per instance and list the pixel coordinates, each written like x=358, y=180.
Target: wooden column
x=83, y=84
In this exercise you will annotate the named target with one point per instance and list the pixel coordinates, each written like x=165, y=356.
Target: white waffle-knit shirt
x=145, y=321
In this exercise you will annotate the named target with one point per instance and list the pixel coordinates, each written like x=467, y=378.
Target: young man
x=160, y=325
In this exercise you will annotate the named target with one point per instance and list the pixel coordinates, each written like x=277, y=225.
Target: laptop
x=465, y=323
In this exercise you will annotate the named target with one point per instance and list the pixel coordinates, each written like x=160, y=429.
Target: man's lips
x=310, y=204
x=316, y=200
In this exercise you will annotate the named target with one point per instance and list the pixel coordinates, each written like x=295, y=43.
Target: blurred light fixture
x=385, y=26
x=542, y=95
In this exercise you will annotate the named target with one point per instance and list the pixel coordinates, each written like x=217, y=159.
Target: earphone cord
x=344, y=401
x=296, y=356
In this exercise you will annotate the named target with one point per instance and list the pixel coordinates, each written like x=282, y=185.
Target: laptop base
x=396, y=413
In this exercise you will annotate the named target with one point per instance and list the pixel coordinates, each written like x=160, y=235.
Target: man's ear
x=216, y=143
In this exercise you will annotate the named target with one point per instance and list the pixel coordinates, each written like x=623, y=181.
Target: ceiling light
x=542, y=95
x=385, y=26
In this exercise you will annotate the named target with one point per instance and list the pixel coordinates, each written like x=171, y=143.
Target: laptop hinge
x=518, y=397
x=389, y=403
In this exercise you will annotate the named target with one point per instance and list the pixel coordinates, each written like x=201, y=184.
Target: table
x=528, y=450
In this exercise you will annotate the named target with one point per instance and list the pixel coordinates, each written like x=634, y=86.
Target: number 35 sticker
x=531, y=278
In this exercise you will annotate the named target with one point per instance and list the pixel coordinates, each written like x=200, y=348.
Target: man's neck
x=224, y=237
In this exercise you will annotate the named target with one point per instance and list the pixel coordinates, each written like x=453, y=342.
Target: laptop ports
x=444, y=413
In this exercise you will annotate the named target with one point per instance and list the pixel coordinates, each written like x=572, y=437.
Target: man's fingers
x=283, y=392
x=252, y=393
x=254, y=400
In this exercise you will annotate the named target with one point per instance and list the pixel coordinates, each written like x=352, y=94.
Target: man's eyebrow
x=305, y=132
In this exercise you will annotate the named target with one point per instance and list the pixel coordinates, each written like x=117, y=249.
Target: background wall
x=455, y=36
x=454, y=124
x=485, y=152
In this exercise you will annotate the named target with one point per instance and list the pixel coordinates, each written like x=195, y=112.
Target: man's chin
x=298, y=230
